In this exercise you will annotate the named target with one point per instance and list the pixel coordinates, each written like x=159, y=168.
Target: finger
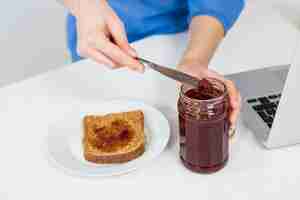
x=118, y=33
x=234, y=100
x=98, y=57
x=117, y=55
x=234, y=113
x=233, y=93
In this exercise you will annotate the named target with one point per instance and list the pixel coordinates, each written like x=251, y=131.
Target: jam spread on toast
x=113, y=137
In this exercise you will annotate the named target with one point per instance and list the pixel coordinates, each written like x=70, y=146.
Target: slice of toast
x=114, y=138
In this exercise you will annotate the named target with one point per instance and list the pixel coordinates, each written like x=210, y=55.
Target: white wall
x=32, y=35
x=32, y=38
x=289, y=9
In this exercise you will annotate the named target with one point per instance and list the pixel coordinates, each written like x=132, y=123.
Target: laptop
x=271, y=102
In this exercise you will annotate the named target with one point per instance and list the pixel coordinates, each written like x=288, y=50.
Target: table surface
x=27, y=110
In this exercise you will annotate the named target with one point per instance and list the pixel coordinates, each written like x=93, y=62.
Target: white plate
x=64, y=146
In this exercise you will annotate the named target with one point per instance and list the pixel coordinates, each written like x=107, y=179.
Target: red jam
x=203, y=127
x=111, y=138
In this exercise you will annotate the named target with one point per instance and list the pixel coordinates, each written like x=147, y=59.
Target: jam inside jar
x=204, y=126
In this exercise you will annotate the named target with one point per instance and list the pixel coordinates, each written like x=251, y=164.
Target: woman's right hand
x=102, y=36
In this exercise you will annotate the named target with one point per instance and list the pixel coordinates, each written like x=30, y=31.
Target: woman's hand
x=102, y=37
x=196, y=70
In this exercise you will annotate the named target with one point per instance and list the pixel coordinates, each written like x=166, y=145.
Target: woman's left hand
x=196, y=70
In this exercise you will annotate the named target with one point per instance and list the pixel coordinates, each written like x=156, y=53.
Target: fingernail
x=111, y=65
x=139, y=70
x=232, y=124
x=234, y=104
x=132, y=52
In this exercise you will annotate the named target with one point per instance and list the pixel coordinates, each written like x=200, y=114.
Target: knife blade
x=171, y=73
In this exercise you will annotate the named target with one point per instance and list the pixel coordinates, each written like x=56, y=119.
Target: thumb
x=119, y=36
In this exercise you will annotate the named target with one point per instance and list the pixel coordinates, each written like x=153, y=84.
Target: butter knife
x=171, y=73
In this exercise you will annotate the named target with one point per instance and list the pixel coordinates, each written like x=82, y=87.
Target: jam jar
x=204, y=126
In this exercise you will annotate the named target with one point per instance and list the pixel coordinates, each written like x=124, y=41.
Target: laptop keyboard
x=266, y=107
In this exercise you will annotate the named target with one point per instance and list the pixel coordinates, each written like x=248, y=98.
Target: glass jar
x=204, y=129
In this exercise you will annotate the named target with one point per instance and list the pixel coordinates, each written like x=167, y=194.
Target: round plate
x=64, y=142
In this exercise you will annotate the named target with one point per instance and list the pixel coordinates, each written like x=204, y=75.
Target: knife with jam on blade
x=171, y=73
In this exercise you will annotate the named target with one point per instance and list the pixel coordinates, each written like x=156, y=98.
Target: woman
x=102, y=30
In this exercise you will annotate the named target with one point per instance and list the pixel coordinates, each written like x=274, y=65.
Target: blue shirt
x=148, y=17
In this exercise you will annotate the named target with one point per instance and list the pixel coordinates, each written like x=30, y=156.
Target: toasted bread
x=114, y=138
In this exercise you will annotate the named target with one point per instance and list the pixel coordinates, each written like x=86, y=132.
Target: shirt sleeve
x=226, y=11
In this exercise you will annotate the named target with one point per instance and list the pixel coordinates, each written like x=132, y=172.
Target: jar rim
x=225, y=93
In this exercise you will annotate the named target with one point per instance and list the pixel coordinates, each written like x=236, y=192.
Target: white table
x=28, y=108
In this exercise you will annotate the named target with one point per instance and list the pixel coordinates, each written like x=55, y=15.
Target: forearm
x=71, y=5
x=74, y=5
x=205, y=34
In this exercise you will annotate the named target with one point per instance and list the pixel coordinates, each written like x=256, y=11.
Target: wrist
x=191, y=65
x=194, y=57
x=90, y=7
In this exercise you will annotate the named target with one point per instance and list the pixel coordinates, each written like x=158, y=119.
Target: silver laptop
x=271, y=106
